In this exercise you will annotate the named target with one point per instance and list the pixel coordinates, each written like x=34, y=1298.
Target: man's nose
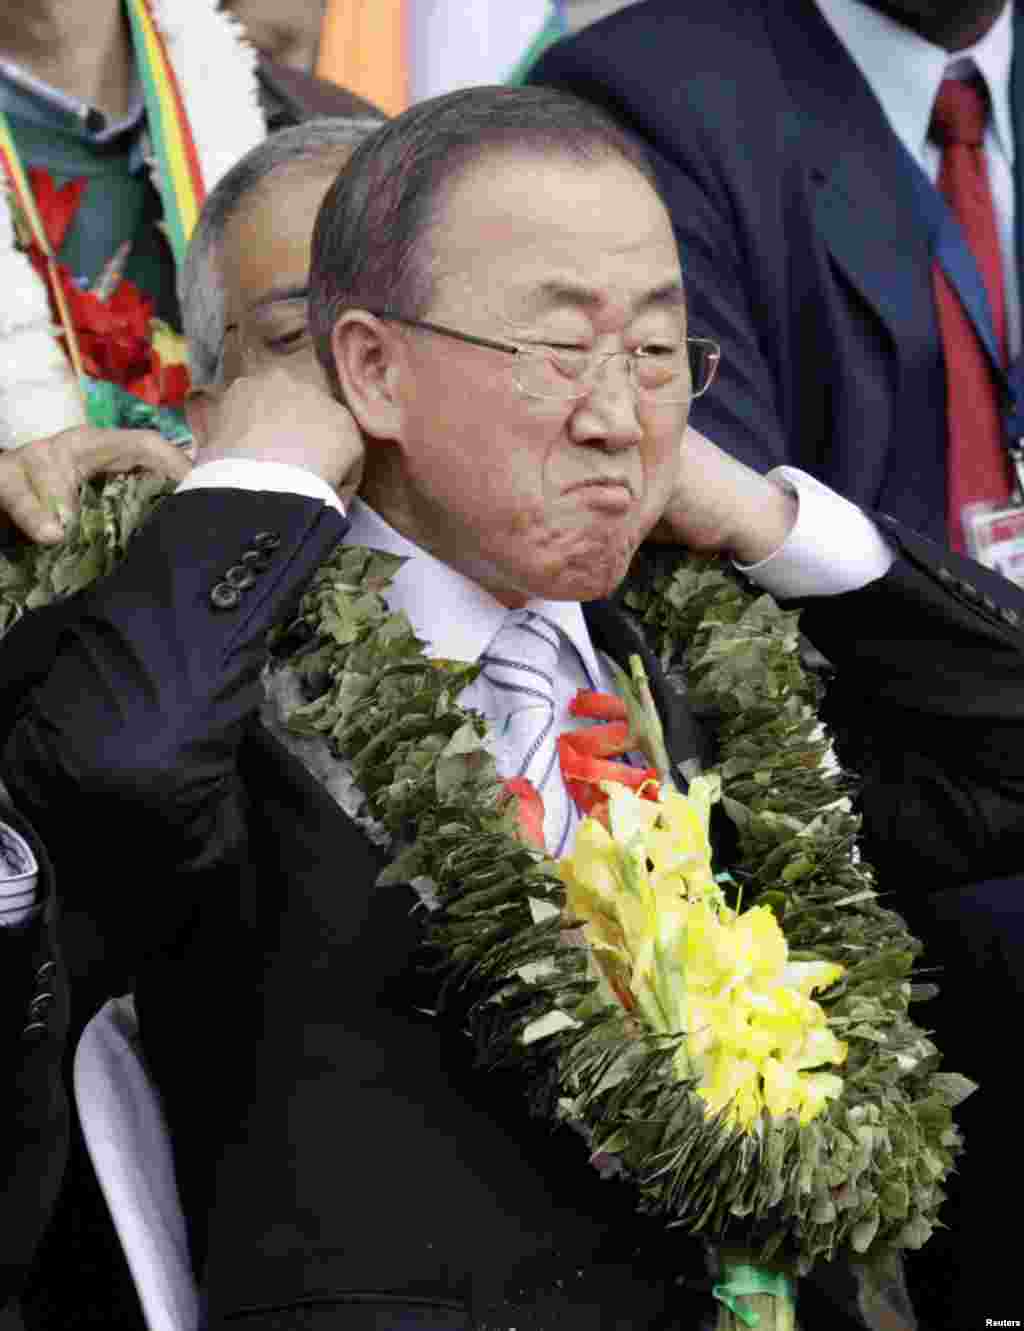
x=607, y=416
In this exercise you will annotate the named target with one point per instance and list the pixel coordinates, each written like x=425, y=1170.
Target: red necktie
x=977, y=466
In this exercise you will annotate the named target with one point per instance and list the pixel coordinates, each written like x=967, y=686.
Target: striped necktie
x=520, y=667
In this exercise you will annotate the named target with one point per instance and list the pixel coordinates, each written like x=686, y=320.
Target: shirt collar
x=453, y=616
x=29, y=98
x=904, y=71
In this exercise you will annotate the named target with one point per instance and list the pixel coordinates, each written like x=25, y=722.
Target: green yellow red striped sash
x=22, y=192
x=180, y=179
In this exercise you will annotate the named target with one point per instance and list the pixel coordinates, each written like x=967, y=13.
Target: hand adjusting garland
x=864, y=1173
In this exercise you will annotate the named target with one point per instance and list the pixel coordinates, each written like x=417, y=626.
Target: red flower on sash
x=55, y=204
x=116, y=329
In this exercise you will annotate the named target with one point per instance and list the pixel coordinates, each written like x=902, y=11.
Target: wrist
x=248, y=473
x=770, y=516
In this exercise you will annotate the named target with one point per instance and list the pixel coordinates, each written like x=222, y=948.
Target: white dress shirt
x=904, y=72
x=19, y=875
x=457, y=621
x=832, y=548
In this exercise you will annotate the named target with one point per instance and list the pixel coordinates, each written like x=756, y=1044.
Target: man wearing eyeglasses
x=495, y=298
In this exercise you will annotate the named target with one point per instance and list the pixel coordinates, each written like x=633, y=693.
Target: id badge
x=994, y=536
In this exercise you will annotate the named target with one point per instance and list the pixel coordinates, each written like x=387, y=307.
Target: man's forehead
x=551, y=232
x=537, y=296
x=266, y=241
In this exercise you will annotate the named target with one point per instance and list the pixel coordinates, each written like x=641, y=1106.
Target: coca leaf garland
x=413, y=768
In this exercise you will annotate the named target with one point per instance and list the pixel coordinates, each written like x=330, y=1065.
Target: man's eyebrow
x=276, y=294
x=559, y=292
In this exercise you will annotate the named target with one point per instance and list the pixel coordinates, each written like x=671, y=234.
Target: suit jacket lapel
x=866, y=207
x=616, y=632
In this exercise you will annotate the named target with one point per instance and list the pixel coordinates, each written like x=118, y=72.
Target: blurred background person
x=397, y=52
x=284, y=31
x=870, y=322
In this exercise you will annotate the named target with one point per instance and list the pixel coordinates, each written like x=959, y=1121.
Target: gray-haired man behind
x=248, y=255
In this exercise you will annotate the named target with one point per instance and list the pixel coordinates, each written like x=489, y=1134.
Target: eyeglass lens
x=565, y=374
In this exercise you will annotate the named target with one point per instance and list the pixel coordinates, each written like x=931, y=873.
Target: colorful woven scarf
x=15, y=172
x=180, y=178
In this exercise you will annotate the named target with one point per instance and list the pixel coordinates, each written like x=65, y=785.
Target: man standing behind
x=515, y=361
x=115, y=119
x=870, y=323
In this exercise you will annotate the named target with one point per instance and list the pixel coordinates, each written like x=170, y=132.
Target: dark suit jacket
x=799, y=233
x=33, y=1105
x=339, y=1160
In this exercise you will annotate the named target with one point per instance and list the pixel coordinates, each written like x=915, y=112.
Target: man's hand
x=39, y=482
x=278, y=417
x=722, y=505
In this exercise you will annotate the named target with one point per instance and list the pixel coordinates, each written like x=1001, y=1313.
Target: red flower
x=113, y=334
x=530, y=809
x=115, y=337
x=598, y=706
x=583, y=757
x=56, y=207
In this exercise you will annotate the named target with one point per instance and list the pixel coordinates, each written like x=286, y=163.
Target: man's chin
x=591, y=579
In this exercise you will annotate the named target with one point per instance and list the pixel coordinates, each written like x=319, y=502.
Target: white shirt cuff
x=253, y=474
x=834, y=547
x=19, y=878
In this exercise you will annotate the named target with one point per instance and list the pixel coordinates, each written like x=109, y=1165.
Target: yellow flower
x=667, y=948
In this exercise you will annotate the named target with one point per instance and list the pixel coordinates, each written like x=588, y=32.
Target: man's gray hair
x=201, y=286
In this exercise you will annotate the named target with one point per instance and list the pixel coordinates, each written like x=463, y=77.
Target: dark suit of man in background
x=33, y=1025
x=805, y=224
x=339, y=1162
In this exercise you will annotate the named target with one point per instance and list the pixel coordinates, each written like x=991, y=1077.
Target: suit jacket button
x=989, y=604
x=240, y=576
x=1009, y=616
x=34, y=1032
x=257, y=560
x=225, y=597
x=266, y=540
x=970, y=591
x=945, y=575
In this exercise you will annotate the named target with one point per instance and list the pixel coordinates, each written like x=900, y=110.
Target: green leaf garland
x=866, y=1175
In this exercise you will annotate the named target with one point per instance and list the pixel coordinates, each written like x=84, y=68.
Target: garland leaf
x=865, y=1176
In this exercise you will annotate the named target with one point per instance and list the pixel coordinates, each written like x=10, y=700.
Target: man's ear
x=368, y=363
x=199, y=408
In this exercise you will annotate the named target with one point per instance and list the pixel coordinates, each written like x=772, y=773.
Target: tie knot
x=960, y=113
x=525, y=641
